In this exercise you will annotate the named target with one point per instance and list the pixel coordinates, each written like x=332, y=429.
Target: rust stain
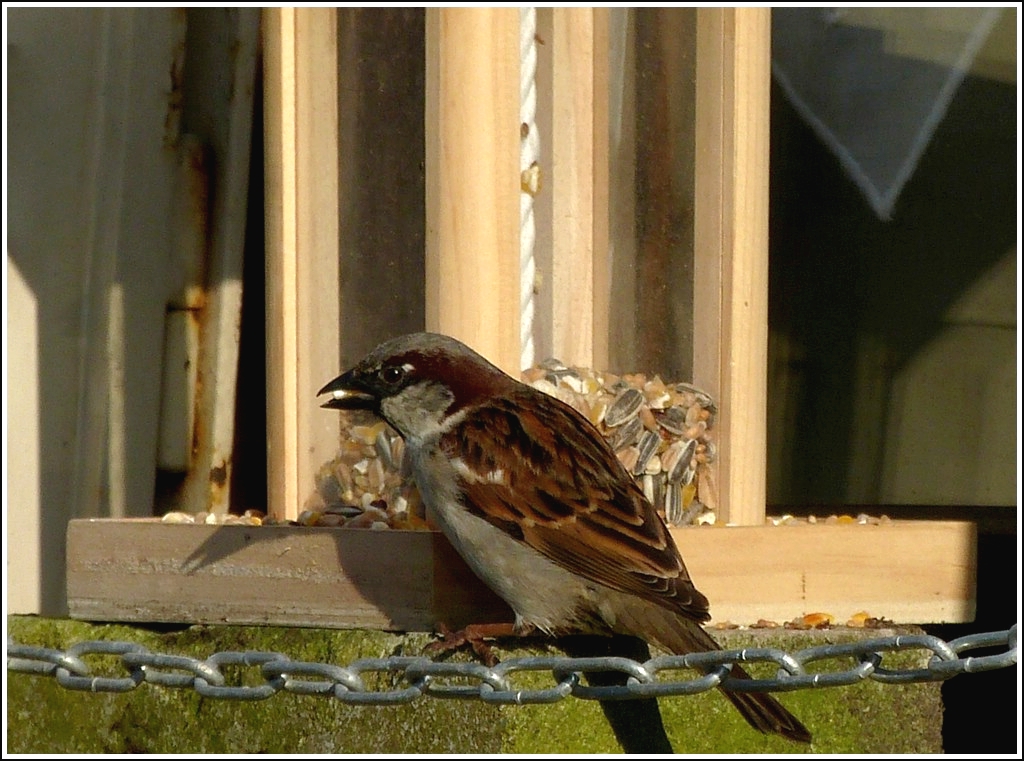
x=219, y=474
x=219, y=480
x=195, y=166
x=176, y=75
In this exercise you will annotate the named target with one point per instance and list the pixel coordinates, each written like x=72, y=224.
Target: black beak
x=348, y=393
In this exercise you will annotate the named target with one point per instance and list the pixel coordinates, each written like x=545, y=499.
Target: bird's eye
x=391, y=374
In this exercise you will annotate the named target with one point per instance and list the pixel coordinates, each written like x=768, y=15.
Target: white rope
x=529, y=156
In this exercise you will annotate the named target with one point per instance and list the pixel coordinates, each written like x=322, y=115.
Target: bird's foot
x=474, y=635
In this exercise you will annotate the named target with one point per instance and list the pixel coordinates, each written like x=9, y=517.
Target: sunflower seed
x=552, y=363
x=560, y=373
x=658, y=492
x=543, y=384
x=682, y=454
x=625, y=435
x=673, y=504
x=700, y=397
x=573, y=381
x=405, y=460
x=647, y=484
x=347, y=511
x=687, y=477
x=624, y=407
x=382, y=444
x=673, y=420
x=648, y=445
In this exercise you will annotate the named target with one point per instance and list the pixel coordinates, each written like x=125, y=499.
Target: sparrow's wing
x=553, y=483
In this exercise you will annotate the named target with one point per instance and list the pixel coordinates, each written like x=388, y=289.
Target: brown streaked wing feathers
x=613, y=537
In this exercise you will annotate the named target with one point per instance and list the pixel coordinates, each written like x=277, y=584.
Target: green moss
x=868, y=717
x=46, y=718
x=570, y=726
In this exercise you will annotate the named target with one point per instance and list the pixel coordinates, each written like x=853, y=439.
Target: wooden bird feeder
x=903, y=571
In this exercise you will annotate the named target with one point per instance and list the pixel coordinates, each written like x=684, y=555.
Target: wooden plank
x=144, y=570
x=472, y=179
x=731, y=246
x=303, y=324
x=395, y=580
x=579, y=186
x=906, y=571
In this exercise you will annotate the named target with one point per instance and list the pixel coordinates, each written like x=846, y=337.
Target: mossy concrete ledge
x=43, y=717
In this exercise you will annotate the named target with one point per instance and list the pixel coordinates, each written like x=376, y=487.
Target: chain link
x=422, y=676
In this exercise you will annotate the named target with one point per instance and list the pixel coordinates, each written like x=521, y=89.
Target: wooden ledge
x=147, y=571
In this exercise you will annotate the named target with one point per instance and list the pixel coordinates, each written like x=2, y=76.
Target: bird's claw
x=473, y=635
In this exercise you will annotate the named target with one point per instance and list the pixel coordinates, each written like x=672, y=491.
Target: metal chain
x=497, y=684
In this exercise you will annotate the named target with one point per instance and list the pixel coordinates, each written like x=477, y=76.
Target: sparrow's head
x=417, y=382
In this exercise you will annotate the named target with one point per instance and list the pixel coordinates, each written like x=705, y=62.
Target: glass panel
x=892, y=305
x=652, y=186
x=651, y=237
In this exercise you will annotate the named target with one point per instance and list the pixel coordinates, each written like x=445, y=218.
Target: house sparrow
x=536, y=502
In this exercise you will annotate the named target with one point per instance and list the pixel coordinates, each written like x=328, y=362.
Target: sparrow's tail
x=764, y=712
x=680, y=635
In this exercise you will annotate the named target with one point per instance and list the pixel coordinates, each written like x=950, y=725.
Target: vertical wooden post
x=731, y=245
x=580, y=275
x=472, y=177
x=301, y=153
